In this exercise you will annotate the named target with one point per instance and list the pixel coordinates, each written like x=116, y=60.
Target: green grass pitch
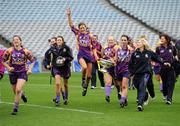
x=91, y=110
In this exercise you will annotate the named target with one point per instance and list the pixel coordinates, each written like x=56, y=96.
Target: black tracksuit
x=55, y=51
x=167, y=73
x=100, y=75
x=177, y=63
x=140, y=66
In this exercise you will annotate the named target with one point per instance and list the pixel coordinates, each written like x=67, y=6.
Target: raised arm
x=73, y=28
x=69, y=17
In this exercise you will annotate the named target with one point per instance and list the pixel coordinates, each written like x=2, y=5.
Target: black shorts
x=63, y=72
x=1, y=76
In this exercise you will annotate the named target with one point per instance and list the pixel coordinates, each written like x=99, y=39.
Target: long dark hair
x=17, y=37
x=125, y=37
x=166, y=36
x=61, y=38
x=81, y=23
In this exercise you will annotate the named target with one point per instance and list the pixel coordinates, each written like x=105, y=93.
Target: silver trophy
x=104, y=64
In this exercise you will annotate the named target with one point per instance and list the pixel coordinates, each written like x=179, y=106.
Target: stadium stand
x=160, y=14
x=38, y=20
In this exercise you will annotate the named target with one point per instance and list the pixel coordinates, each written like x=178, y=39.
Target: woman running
x=15, y=60
x=122, y=57
x=59, y=57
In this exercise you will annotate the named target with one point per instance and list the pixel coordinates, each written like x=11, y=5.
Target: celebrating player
x=85, y=50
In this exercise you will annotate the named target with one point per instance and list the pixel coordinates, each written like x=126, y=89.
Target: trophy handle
x=103, y=69
x=99, y=67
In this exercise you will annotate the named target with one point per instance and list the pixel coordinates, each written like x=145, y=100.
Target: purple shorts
x=119, y=76
x=88, y=58
x=157, y=69
x=64, y=72
x=13, y=77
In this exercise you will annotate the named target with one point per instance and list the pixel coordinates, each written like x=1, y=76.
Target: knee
x=108, y=83
x=84, y=67
x=157, y=78
x=124, y=87
x=89, y=77
x=65, y=85
x=18, y=91
x=57, y=84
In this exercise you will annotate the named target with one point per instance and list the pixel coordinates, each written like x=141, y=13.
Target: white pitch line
x=57, y=108
x=46, y=85
x=43, y=85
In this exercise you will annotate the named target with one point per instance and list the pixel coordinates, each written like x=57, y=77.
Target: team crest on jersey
x=137, y=56
x=18, y=58
x=122, y=53
x=13, y=55
x=84, y=40
x=162, y=51
x=170, y=50
x=64, y=50
x=146, y=55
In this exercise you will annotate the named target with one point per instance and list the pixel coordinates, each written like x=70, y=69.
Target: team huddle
x=118, y=63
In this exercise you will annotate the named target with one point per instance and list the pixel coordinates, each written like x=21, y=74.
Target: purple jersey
x=109, y=52
x=98, y=47
x=167, y=54
x=84, y=43
x=1, y=65
x=123, y=57
x=18, y=58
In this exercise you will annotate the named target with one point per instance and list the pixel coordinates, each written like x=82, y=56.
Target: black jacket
x=140, y=62
x=54, y=52
x=177, y=45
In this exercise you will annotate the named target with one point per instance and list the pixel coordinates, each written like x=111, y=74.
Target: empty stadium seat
x=38, y=20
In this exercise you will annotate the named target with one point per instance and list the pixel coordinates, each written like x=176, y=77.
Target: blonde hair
x=143, y=37
x=144, y=40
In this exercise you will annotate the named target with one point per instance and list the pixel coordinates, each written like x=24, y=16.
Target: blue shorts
x=14, y=76
x=86, y=57
x=64, y=72
x=119, y=76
